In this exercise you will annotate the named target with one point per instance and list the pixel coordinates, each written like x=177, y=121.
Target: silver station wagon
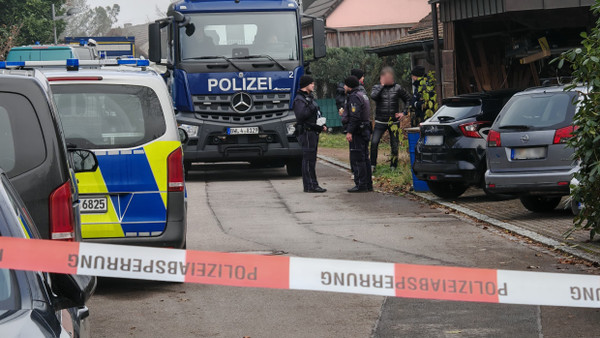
x=527, y=152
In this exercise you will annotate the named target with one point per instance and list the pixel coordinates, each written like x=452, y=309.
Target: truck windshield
x=241, y=35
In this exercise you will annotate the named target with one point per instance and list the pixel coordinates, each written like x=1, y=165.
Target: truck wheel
x=539, y=203
x=294, y=167
x=447, y=190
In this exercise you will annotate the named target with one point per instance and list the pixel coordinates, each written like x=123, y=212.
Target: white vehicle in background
x=576, y=205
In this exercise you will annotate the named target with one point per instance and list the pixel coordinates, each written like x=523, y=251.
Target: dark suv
x=34, y=155
x=450, y=154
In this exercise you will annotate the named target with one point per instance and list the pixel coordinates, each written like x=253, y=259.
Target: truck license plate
x=93, y=205
x=528, y=153
x=243, y=131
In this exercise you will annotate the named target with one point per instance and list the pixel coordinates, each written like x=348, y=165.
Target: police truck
x=233, y=68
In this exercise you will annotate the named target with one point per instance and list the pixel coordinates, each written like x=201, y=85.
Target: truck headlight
x=192, y=131
x=290, y=128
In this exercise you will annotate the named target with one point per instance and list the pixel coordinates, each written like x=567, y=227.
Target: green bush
x=336, y=66
x=584, y=63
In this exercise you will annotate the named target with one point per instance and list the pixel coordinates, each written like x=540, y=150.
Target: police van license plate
x=91, y=205
x=243, y=131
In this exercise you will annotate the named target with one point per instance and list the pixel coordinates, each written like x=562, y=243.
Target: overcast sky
x=134, y=11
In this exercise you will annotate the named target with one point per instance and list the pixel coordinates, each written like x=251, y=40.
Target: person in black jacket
x=308, y=127
x=358, y=133
x=390, y=99
x=340, y=92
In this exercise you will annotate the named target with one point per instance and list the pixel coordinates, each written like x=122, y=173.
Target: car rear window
x=452, y=113
x=22, y=145
x=109, y=116
x=538, y=111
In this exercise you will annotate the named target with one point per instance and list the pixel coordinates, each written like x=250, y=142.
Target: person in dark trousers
x=358, y=133
x=416, y=102
x=308, y=129
x=390, y=99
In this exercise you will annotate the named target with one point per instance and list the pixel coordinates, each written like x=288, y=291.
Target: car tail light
x=62, y=219
x=472, y=129
x=175, y=171
x=562, y=135
x=494, y=139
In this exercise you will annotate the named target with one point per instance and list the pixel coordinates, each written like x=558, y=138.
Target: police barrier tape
x=282, y=272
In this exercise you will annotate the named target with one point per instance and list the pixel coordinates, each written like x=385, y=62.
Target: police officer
x=308, y=129
x=358, y=133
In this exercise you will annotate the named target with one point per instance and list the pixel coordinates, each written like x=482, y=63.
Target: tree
x=27, y=21
x=96, y=21
x=336, y=66
x=584, y=63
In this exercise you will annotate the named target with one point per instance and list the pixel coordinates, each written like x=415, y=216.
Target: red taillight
x=493, y=139
x=175, y=171
x=563, y=135
x=62, y=219
x=472, y=129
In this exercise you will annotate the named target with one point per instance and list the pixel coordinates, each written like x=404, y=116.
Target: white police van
x=122, y=111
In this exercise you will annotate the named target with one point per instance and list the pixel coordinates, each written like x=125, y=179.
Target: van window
x=109, y=116
x=22, y=145
x=538, y=111
x=39, y=55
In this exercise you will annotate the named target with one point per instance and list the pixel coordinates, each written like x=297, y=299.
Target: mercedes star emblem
x=241, y=102
x=525, y=138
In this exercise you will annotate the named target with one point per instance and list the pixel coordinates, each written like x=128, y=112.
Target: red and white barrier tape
x=280, y=272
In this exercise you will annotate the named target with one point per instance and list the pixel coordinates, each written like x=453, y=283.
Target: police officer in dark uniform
x=358, y=134
x=308, y=127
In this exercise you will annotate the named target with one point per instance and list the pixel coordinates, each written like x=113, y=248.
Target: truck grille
x=263, y=104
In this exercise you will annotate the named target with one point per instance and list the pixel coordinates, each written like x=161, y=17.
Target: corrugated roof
x=322, y=8
x=421, y=33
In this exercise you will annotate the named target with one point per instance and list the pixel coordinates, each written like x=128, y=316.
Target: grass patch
x=393, y=181
x=333, y=140
x=338, y=141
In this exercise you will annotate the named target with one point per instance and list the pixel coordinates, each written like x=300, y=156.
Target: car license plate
x=93, y=205
x=243, y=131
x=528, y=153
x=434, y=140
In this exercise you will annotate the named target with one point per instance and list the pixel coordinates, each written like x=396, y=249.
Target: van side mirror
x=71, y=290
x=319, y=39
x=154, y=39
x=83, y=160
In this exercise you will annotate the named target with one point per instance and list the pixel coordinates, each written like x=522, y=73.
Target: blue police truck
x=233, y=67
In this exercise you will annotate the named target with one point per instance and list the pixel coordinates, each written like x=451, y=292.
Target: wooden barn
x=498, y=44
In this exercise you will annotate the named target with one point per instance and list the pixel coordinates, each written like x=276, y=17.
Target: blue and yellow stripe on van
x=135, y=182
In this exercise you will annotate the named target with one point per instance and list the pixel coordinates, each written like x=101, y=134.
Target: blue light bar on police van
x=74, y=64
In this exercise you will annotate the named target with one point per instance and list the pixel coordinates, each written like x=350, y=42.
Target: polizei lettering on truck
x=241, y=84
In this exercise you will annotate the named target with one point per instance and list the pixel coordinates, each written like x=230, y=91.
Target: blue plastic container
x=413, y=138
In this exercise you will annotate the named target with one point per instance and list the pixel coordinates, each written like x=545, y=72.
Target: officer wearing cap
x=309, y=124
x=358, y=133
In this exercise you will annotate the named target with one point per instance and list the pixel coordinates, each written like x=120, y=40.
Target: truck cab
x=233, y=71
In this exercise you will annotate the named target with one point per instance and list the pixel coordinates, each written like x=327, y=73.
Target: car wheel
x=294, y=168
x=447, y=189
x=540, y=203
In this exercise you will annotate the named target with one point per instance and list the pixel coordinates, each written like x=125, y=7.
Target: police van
x=124, y=115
